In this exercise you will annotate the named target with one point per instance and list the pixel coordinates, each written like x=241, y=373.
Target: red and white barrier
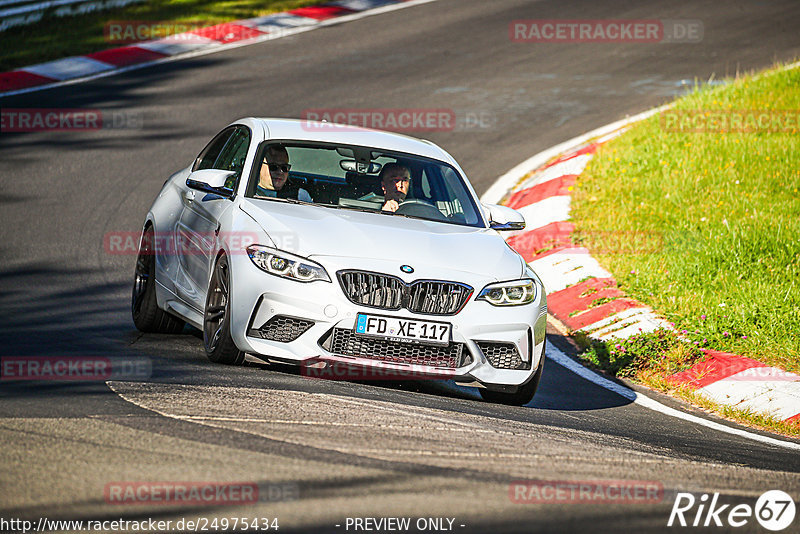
x=199, y=41
x=540, y=189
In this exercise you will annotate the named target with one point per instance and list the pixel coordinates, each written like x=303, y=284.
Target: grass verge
x=696, y=212
x=54, y=38
x=705, y=227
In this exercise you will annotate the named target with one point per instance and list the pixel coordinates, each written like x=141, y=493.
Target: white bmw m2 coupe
x=319, y=244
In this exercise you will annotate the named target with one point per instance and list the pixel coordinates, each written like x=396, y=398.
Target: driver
x=395, y=182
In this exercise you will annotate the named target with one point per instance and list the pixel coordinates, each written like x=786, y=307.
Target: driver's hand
x=390, y=205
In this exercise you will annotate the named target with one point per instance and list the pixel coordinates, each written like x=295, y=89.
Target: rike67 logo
x=774, y=510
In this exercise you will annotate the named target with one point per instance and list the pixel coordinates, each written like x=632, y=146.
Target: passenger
x=274, y=175
x=395, y=182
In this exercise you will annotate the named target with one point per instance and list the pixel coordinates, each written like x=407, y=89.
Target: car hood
x=315, y=231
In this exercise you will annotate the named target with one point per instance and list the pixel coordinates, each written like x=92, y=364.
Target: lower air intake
x=282, y=328
x=502, y=355
x=346, y=343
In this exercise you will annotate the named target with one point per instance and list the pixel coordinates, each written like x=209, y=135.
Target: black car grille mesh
x=372, y=289
x=282, y=328
x=502, y=355
x=346, y=343
x=431, y=297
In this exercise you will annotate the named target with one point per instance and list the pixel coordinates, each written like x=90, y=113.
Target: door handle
x=189, y=196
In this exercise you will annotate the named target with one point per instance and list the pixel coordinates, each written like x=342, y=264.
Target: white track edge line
x=646, y=402
x=568, y=363
x=213, y=49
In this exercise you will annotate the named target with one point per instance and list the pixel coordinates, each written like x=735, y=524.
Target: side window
x=461, y=207
x=232, y=156
x=211, y=152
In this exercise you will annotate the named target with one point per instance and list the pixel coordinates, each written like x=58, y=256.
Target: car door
x=198, y=224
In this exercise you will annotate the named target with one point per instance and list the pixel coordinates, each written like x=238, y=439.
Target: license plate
x=408, y=330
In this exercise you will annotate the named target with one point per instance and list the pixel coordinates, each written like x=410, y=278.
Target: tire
x=525, y=393
x=219, y=345
x=147, y=316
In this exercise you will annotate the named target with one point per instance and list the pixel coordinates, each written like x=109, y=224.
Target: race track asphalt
x=344, y=449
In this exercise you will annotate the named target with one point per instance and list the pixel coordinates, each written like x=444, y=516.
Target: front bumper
x=306, y=322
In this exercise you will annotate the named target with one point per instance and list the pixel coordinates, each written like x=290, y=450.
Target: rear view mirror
x=350, y=165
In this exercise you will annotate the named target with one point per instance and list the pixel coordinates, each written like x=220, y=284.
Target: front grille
x=437, y=298
x=372, y=289
x=345, y=342
x=282, y=328
x=502, y=355
x=430, y=297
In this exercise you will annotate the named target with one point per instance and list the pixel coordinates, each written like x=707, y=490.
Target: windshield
x=365, y=179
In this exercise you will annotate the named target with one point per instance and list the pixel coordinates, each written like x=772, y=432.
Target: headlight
x=286, y=265
x=513, y=293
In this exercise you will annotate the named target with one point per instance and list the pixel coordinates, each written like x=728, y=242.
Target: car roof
x=308, y=130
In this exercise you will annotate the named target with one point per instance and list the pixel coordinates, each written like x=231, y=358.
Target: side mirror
x=211, y=181
x=504, y=218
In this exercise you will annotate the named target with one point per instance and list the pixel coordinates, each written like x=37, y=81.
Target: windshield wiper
x=352, y=208
x=380, y=212
x=279, y=199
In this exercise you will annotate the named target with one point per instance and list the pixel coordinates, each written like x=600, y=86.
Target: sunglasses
x=279, y=167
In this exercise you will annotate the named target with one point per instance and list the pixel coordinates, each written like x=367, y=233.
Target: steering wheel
x=419, y=208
